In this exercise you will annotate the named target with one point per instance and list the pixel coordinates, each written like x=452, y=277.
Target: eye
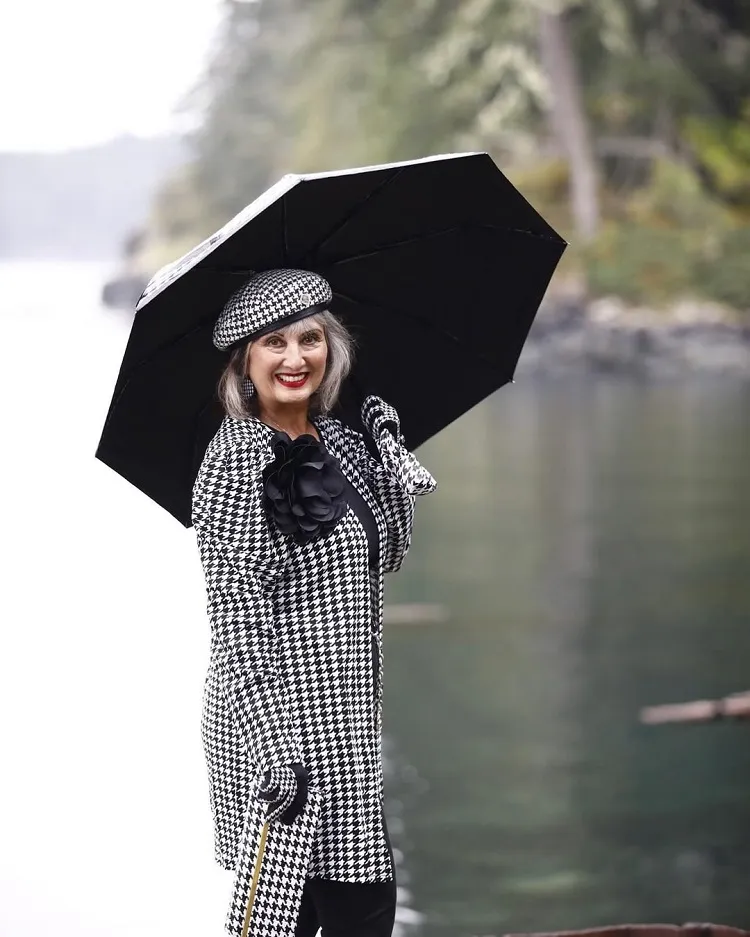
x=312, y=337
x=274, y=340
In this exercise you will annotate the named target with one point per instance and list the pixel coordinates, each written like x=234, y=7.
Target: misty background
x=587, y=552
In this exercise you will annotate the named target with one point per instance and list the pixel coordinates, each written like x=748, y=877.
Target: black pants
x=347, y=909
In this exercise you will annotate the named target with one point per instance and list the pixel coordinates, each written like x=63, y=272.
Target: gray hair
x=235, y=388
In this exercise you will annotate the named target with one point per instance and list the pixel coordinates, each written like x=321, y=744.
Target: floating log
x=410, y=613
x=736, y=706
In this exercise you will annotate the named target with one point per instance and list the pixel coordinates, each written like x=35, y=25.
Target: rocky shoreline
x=607, y=335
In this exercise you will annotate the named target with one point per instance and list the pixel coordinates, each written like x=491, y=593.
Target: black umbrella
x=437, y=266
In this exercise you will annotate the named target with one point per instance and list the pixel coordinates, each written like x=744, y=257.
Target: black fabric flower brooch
x=303, y=487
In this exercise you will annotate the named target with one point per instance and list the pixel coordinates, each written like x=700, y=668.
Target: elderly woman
x=297, y=520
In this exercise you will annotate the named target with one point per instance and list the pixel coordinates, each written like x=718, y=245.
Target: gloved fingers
x=377, y=416
x=370, y=407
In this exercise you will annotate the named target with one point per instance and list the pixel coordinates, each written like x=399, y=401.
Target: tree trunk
x=569, y=121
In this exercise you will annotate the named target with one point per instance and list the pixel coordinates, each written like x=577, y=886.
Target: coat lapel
x=336, y=444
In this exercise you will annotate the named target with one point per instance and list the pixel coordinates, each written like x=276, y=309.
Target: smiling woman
x=297, y=523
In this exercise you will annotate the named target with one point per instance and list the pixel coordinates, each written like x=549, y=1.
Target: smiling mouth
x=292, y=380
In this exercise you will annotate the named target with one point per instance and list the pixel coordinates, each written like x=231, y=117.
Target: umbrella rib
x=284, y=236
x=531, y=234
x=343, y=222
x=382, y=248
x=425, y=323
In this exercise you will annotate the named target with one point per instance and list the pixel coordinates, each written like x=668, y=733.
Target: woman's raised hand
x=378, y=416
x=285, y=790
x=381, y=421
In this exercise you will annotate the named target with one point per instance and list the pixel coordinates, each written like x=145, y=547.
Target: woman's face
x=287, y=366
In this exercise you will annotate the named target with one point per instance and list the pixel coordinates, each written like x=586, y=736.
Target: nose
x=294, y=359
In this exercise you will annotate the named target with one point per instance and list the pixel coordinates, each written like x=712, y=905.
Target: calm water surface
x=591, y=545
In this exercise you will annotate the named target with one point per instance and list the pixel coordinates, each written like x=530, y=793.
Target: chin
x=292, y=397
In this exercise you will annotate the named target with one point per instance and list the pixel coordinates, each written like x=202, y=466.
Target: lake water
x=590, y=542
x=590, y=545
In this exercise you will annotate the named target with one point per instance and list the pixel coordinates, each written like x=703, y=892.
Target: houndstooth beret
x=268, y=300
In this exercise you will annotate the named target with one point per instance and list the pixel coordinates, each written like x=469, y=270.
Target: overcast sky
x=75, y=72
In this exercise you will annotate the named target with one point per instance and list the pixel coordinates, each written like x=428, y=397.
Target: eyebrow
x=301, y=332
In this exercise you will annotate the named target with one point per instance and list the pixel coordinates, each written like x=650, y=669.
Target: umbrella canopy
x=437, y=267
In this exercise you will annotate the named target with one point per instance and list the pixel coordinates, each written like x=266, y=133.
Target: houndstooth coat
x=295, y=671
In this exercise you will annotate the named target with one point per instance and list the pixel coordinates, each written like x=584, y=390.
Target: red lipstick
x=292, y=384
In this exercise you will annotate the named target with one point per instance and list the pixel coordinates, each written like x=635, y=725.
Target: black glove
x=285, y=790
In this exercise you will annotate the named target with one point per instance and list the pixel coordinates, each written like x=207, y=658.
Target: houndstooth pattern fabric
x=267, y=298
x=282, y=873
x=295, y=629
x=381, y=420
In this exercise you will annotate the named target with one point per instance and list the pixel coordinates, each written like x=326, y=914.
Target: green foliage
x=722, y=147
x=302, y=87
x=673, y=239
x=726, y=276
x=674, y=198
x=394, y=81
x=641, y=264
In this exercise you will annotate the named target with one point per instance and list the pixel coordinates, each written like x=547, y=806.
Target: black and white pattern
x=268, y=298
x=274, y=908
x=294, y=632
x=381, y=421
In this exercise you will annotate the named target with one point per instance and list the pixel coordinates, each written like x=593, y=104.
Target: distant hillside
x=83, y=203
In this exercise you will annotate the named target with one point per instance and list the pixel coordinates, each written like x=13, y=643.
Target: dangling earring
x=248, y=388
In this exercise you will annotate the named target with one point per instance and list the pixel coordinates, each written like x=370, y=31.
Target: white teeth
x=291, y=378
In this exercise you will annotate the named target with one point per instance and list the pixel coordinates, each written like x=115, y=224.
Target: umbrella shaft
x=256, y=875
